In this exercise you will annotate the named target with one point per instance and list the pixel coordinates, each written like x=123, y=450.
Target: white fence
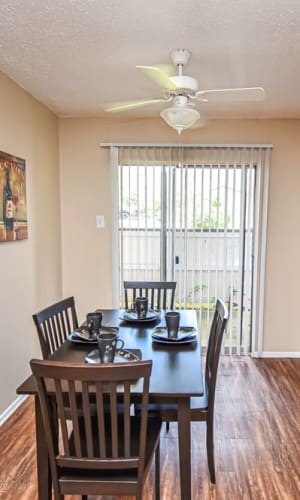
x=209, y=262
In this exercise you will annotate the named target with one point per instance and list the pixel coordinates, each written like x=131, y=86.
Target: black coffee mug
x=94, y=320
x=172, y=322
x=141, y=307
x=107, y=344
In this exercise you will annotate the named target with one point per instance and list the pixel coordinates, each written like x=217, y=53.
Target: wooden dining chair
x=161, y=294
x=109, y=453
x=54, y=324
x=202, y=408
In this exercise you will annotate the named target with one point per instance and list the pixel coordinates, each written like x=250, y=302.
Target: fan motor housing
x=185, y=82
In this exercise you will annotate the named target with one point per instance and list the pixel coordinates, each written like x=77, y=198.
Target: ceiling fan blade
x=168, y=69
x=124, y=105
x=160, y=75
x=231, y=95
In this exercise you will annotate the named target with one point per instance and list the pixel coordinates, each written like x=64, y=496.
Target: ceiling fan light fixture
x=179, y=117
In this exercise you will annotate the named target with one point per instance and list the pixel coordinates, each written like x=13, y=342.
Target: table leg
x=184, y=437
x=43, y=467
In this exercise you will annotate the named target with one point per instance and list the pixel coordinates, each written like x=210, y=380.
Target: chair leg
x=157, y=471
x=167, y=426
x=210, y=449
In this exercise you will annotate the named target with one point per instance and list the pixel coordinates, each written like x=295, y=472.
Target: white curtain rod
x=151, y=145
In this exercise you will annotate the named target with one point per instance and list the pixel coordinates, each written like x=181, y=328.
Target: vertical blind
x=197, y=215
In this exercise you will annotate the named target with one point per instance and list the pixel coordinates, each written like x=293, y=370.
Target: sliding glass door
x=195, y=222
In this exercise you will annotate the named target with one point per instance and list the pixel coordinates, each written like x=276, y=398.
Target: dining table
x=176, y=377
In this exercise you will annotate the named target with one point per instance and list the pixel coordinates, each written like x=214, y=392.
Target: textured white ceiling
x=77, y=55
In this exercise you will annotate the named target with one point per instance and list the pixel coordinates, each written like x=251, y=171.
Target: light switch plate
x=99, y=221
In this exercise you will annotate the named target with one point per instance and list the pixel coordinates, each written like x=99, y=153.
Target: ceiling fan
x=182, y=91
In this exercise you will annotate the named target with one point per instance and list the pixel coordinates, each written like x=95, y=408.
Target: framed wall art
x=13, y=206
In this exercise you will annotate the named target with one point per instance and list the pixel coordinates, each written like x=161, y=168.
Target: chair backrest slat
x=145, y=402
x=61, y=414
x=114, y=420
x=100, y=421
x=54, y=324
x=161, y=294
x=87, y=419
x=217, y=330
x=127, y=420
x=66, y=324
x=74, y=418
x=55, y=329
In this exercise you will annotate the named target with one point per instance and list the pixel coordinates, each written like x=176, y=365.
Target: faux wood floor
x=257, y=440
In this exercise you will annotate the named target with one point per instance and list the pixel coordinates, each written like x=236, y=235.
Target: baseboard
x=12, y=408
x=276, y=354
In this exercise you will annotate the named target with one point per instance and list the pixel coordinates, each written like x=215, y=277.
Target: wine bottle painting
x=13, y=209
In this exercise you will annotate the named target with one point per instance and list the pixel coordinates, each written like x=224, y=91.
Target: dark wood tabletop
x=176, y=368
x=176, y=376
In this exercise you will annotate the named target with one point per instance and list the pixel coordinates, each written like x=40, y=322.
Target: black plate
x=121, y=356
x=80, y=335
x=131, y=315
x=185, y=334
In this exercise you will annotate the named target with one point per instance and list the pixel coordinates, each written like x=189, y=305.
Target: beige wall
x=86, y=192
x=30, y=269
x=31, y=272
